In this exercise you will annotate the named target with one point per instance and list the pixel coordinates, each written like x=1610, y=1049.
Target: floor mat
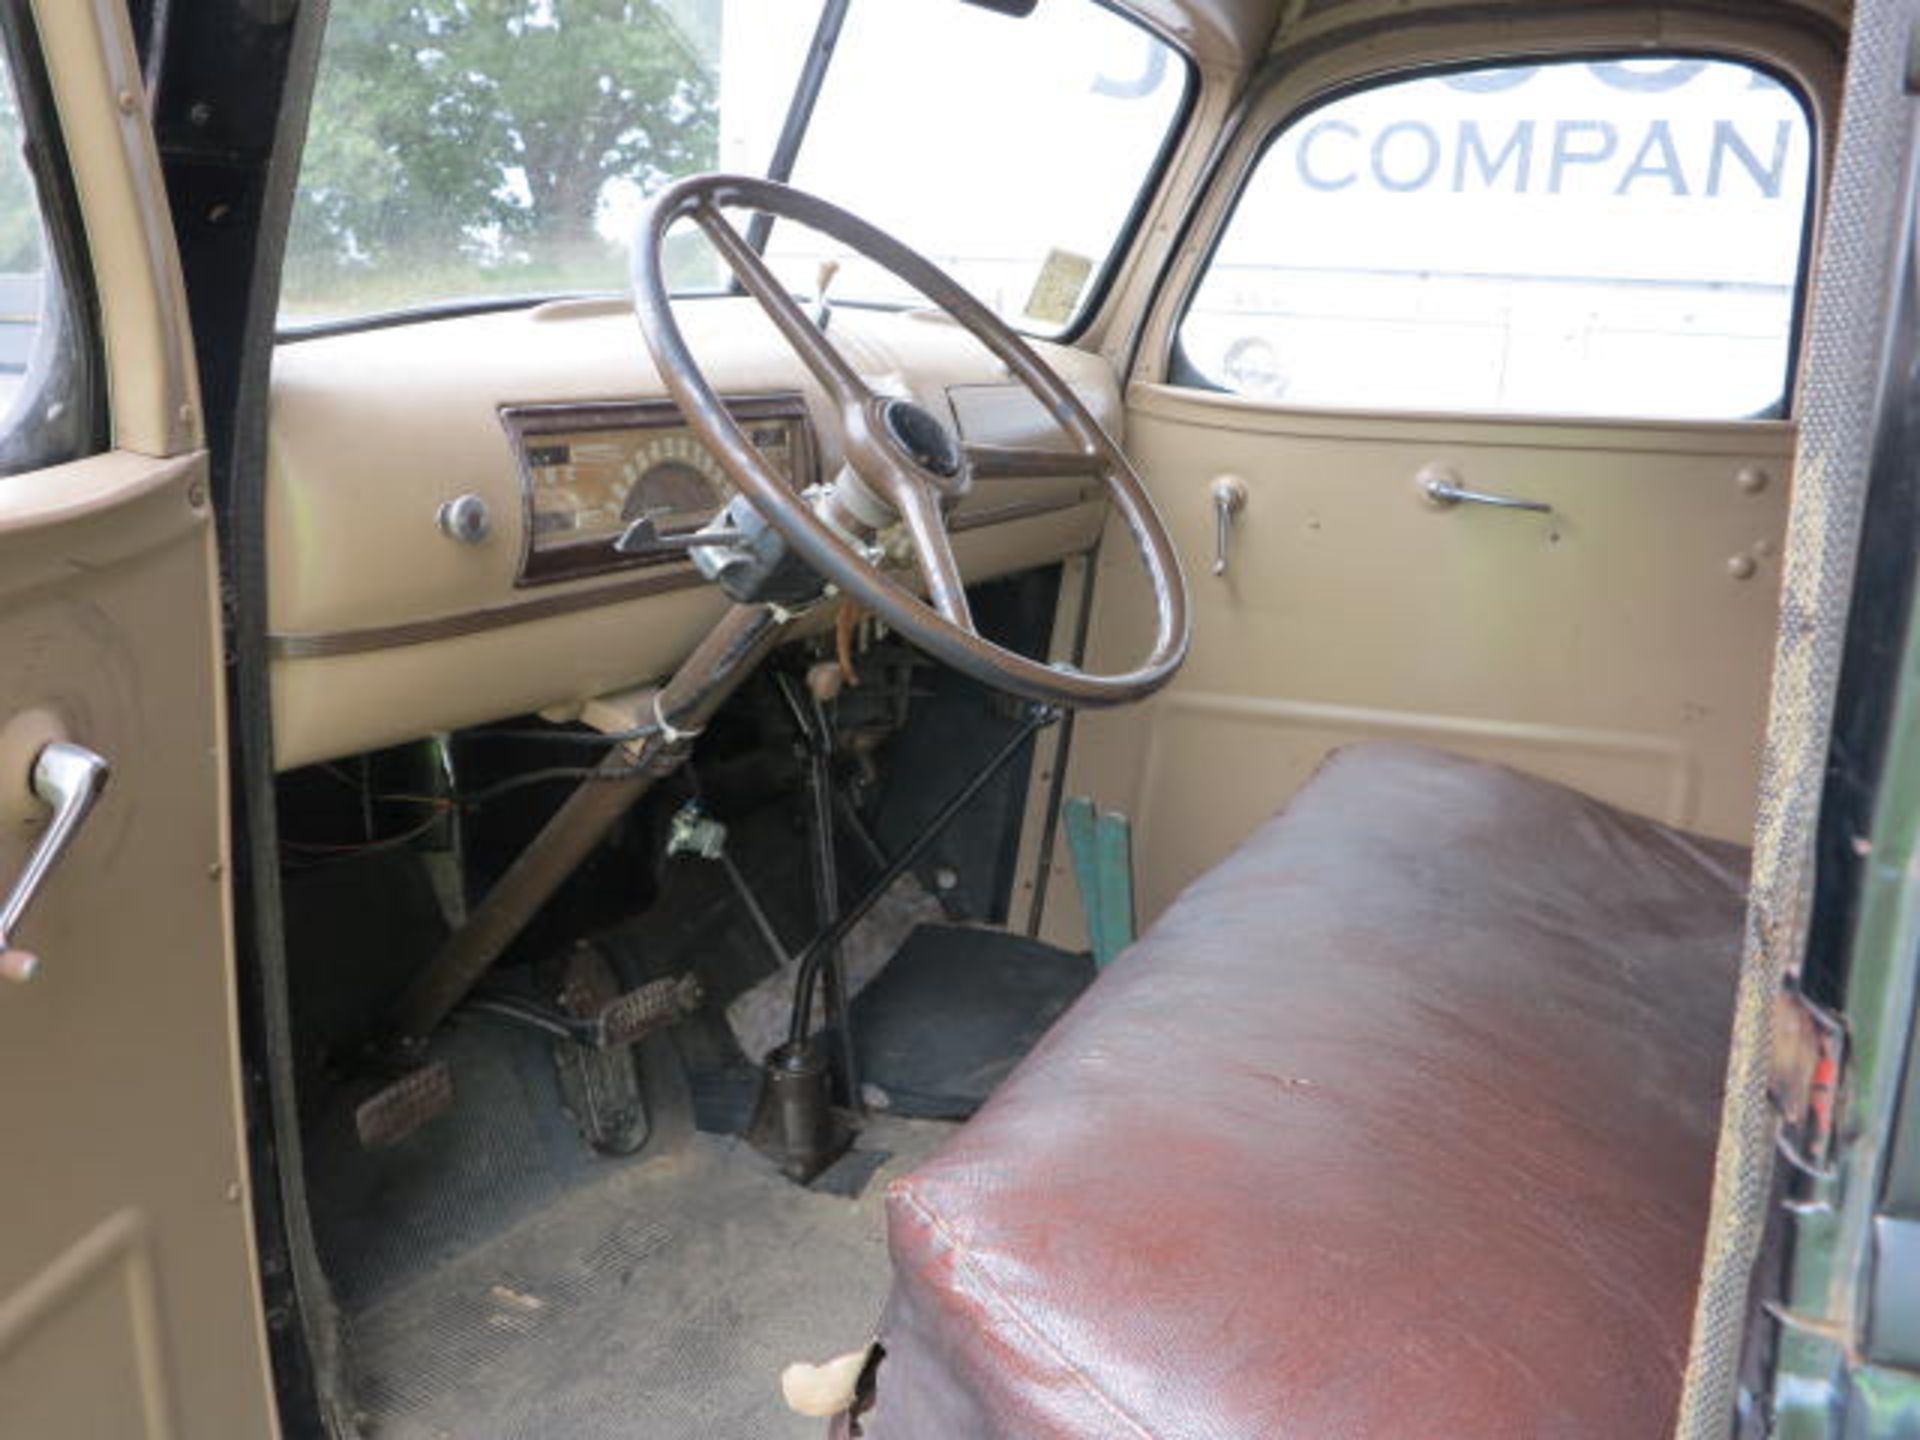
x=505, y=1151
x=955, y=1010
x=664, y=1302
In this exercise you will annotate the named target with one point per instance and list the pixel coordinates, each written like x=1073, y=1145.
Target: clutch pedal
x=396, y=1110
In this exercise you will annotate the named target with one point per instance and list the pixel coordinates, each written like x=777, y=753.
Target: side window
x=48, y=411
x=1604, y=238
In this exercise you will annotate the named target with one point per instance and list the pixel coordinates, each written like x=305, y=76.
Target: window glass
x=47, y=410
x=470, y=148
x=1614, y=238
x=1008, y=150
x=465, y=149
x=22, y=250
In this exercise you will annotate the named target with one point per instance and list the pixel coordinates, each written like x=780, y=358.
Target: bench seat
x=1400, y=1122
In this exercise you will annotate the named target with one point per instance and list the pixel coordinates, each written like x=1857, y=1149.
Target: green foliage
x=464, y=145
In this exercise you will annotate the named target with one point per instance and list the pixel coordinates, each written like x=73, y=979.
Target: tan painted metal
x=129, y=1304
x=1323, y=46
x=129, y=1298
x=1624, y=656
x=143, y=310
x=1231, y=33
x=370, y=433
x=1619, y=645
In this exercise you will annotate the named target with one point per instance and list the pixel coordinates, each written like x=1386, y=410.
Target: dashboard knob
x=466, y=518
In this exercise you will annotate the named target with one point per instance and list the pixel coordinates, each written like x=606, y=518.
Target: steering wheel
x=902, y=461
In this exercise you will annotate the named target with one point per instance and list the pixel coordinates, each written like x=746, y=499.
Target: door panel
x=128, y=1303
x=1620, y=645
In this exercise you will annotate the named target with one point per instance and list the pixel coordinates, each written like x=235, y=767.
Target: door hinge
x=1809, y=1058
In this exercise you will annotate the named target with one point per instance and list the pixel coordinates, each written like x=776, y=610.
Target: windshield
x=467, y=150
x=1012, y=161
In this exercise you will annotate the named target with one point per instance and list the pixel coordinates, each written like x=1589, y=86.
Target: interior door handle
x=1442, y=486
x=1229, y=499
x=69, y=778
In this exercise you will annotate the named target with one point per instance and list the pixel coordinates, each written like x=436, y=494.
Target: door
x=128, y=1299
x=1468, y=412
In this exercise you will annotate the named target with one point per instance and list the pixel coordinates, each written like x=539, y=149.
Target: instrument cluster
x=588, y=471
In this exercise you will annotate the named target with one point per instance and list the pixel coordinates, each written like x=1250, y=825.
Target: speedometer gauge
x=675, y=479
x=589, y=471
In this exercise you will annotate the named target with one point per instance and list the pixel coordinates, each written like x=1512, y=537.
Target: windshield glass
x=1009, y=152
x=467, y=150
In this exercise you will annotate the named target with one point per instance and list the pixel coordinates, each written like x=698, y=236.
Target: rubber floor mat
x=955, y=1010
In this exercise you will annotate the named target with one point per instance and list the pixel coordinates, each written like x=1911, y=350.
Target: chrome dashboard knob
x=465, y=518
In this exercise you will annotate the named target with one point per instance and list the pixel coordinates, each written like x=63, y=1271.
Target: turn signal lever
x=738, y=550
x=644, y=539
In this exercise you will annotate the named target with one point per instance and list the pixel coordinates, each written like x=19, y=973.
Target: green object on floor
x=1102, y=848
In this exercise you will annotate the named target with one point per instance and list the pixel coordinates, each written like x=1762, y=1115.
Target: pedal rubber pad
x=395, y=1111
x=599, y=1083
x=638, y=1013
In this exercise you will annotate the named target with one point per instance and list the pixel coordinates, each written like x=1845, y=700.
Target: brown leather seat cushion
x=1399, y=1123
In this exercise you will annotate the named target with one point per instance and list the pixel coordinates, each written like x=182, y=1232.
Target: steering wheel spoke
x=1030, y=462
x=819, y=353
x=920, y=512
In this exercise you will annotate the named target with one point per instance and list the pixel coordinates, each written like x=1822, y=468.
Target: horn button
x=915, y=431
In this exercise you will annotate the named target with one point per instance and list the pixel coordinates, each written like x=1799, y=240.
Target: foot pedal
x=639, y=1013
x=600, y=1082
x=394, y=1112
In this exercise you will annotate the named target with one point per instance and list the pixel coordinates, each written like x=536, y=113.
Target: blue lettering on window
x=1518, y=150
x=1656, y=159
x=1566, y=153
x=1727, y=140
x=1316, y=179
x=1423, y=139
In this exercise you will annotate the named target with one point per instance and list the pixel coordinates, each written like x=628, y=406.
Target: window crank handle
x=1229, y=499
x=69, y=778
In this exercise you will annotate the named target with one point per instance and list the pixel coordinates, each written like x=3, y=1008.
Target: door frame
x=228, y=85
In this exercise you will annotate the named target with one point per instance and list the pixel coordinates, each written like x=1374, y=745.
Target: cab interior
x=1147, y=839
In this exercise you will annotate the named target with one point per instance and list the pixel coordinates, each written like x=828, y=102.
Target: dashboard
x=443, y=499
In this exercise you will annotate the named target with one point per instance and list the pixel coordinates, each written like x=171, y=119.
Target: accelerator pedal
x=396, y=1110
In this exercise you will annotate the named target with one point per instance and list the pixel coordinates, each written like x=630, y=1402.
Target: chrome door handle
x=69, y=778
x=1442, y=486
x=1229, y=499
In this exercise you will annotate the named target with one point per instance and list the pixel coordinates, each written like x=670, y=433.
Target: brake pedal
x=638, y=1013
x=599, y=1076
x=397, y=1110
